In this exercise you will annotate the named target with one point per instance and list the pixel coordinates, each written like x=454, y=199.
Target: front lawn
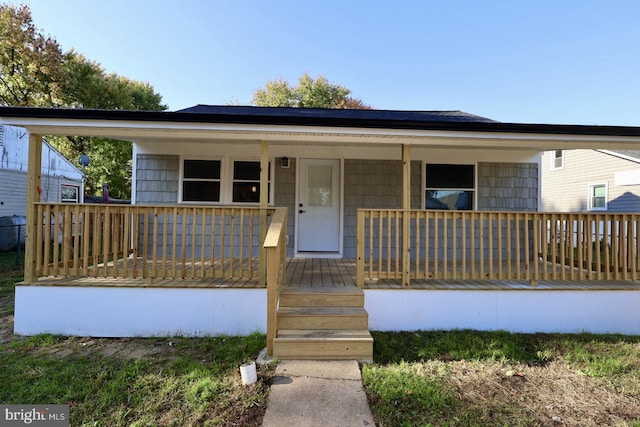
x=470, y=378
x=137, y=382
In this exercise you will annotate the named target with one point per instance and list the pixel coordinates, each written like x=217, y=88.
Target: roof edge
x=309, y=120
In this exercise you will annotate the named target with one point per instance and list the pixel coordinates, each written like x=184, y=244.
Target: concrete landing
x=317, y=393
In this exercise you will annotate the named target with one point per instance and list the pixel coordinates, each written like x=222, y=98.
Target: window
x=597, y=200
x=557, y=159
x=246, y=182
x=450, y=187
x=222, y=181
x=201, y=181
x=69, y=193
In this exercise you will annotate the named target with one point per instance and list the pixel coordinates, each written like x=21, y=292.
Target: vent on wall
x=1, y=136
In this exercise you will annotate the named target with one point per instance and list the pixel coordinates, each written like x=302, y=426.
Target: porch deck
x=338, y=273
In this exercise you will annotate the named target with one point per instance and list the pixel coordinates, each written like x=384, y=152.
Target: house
x=315, y=226
x=61, y=180
x=595, y=180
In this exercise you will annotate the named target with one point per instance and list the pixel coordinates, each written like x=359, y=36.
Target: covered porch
x=226, y=267
x=142, y=265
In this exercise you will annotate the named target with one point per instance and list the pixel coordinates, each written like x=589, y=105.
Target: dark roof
x=375, y=119
x=338, y=114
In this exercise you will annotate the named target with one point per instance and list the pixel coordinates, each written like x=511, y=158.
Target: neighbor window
x=557, y=159
x=246, y=182
x=597, y=197
x=449, y=187
x=69, y=193
x=201, y=181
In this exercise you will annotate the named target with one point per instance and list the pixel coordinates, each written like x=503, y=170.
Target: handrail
x=146, y=241
x=275, y=244
x=497, y=245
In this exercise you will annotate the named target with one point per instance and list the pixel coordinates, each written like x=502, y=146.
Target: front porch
x=193, y=270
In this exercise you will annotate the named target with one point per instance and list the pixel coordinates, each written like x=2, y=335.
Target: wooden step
x=322, y=297
x=324, y=344
x=322, y=318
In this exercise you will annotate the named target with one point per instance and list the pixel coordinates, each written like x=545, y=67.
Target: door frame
x=305, y=254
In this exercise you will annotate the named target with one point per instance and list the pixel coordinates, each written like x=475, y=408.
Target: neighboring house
x=405, y=219
x=61, y=180
x=591, y=181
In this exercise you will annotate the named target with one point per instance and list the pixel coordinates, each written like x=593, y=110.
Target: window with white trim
x=246, y=181
x=69, y=193
x=557, y=159
x=597, y=198
x=223, y=181
x=449, y=187
x=201, y=180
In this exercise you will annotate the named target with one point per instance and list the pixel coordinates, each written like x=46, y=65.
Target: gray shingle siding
x=374, y=184
x=508, y=186
x=157, y=179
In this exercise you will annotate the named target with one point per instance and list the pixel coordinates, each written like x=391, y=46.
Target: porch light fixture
x=284, y=163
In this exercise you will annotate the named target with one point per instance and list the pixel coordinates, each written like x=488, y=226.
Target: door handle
x=301, y=211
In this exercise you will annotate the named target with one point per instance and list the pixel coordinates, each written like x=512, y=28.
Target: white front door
x=319, y=206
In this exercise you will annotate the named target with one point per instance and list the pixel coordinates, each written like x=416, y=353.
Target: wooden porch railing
x=529, y=246
x=139, y=241
x=275, y=245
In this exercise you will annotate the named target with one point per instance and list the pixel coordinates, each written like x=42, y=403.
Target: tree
x=35, y=72
x=30, y=63
x=88, y=86
x=309, y=93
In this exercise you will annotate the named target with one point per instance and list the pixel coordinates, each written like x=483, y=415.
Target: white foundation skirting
x=130, y=312
x=144, y=312
x=513, y=311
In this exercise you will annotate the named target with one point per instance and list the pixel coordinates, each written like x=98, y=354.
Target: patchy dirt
x=127, y=348
x=6, y=328
x=551, y=395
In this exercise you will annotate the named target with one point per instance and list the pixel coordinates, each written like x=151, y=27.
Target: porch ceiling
x=137, y=127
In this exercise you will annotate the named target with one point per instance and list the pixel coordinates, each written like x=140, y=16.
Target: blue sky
x=560, y=61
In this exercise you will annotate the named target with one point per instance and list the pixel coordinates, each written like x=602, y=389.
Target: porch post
x=34, y=172
x=264, y=202
x=406, y=217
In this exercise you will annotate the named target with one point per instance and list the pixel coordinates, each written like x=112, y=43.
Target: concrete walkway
x=317, y=393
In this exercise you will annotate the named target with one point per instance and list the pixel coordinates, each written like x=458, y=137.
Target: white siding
x=566, y=190
x=13, y=195
x=56, y=170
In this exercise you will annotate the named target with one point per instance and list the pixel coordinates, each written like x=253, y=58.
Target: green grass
x=408, y=394
x=196, y=383
x=11, y=265
x=441, y=377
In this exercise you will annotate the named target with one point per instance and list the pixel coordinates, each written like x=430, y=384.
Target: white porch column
x=34, y=172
